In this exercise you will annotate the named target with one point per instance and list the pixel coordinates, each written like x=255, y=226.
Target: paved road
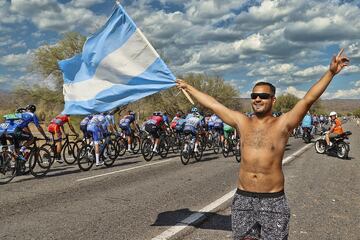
x=323, y=194
x=136, y=200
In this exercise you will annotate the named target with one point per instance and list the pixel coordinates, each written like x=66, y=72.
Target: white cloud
x=312, y=71
x=86, y=3
x=16, y=62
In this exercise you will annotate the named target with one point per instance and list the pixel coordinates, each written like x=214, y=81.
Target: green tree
x=45, y=58
x=172, y=100
x=285, y=102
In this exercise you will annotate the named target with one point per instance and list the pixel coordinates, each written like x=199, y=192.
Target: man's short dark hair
x=272, y=87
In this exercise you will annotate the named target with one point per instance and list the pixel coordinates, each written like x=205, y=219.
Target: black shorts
x=260, y=215
x=153, y=130
x=18, y=136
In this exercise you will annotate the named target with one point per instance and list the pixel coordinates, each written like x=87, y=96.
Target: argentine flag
x=117, y=66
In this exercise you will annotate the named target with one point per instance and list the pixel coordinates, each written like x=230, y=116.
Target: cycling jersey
x=95, y=126
x=156, y=120
x=192, y=124
x=83, y=125
x=173, y=122
x=21, y=121
x=125, y=122
x=180, y=125
x=60, y=120
x=228, y=130
x=56, y=123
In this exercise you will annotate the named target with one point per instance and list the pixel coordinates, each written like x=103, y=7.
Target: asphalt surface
x=323, y=193
x=140, y=201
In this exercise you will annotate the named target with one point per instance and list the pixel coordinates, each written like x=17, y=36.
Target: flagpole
x=188, y=96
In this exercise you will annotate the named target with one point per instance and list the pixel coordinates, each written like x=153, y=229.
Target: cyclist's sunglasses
x=261, y=95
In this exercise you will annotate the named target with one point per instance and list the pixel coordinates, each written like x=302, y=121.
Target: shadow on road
x=214, y=221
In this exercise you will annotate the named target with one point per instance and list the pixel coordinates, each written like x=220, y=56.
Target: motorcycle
x=340, y=145
x=306, y=135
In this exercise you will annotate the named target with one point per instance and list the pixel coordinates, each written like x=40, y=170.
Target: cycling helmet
x=131, y=113
x=178, y=114
x=31, y=108
x=196, y=114
x=194, y=109
x=20, y=110
x=332, y=114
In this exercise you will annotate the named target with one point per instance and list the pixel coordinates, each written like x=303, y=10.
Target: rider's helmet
x=178, y=114
x=196, y=114
x=332, y=114
x=194, y=109
x=131, y=112
x=31, y=108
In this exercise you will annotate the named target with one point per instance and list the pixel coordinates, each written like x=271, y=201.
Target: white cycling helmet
x=332, y=114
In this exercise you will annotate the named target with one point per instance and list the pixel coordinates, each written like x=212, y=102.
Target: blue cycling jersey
x=19, y=121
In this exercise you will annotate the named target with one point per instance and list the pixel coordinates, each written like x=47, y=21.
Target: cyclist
x=335, y=129
x=228, y=131
x=96, y=128
x=154, y=125
x=83, y=126
x=218, y=126
x=17, y=126
x=193, y=126
x=125, y=124
x=109, y=116
x=174, y=121
x=56, y=127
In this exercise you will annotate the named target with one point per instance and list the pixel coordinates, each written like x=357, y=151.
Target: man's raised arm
x=227, y=115
x=294, y=116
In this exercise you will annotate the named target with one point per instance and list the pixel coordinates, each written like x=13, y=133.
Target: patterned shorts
x=260, y=215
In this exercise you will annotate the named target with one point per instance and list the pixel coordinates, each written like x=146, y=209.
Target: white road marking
x=124, y=170
x=194, y=217
x=167, y=234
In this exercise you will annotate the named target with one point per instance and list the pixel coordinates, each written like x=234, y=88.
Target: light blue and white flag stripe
x=117, y=66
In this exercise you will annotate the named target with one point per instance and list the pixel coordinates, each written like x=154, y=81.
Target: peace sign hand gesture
x=338, y=62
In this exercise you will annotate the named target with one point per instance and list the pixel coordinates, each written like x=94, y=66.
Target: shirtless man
x=260, y=208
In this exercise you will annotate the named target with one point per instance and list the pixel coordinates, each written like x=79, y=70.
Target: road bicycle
x=188, y=149
x=68, y=151
x=108, y=154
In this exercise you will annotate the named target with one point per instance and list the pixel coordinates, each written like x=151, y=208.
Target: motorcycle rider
x=307, y=122
x=335, y=129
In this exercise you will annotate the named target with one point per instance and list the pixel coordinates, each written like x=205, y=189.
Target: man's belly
x=261, y=182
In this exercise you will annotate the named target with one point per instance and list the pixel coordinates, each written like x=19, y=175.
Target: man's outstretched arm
x=294, y=116
x=227, y=115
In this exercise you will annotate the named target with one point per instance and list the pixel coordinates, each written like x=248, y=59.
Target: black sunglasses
x=261, y=95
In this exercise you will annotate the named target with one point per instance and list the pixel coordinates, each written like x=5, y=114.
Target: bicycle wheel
x=50, y=148
x=147, y=149
x=216, y=145
x=226, y=148
x=121, y=146
x=68, y=153
x=111, y=152
x=86, y=157
x=7, y=167
x=164, y=148
x=185, y=153
x=135, y=144
x=39, y=162
x=199, y=153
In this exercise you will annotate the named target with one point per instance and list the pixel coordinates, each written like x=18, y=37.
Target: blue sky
x=286, y=42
